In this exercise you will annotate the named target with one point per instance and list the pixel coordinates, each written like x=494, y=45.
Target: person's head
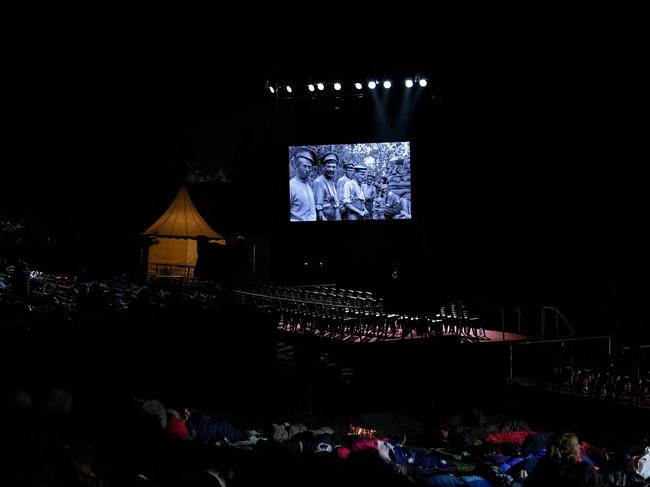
x=181, y=413
x=304, y=160
x=360, y=173
x=563, y=448
x=348, y=167
x=21, y=400
x=329, y=161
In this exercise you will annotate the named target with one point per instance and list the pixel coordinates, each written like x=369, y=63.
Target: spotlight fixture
x=284, y=90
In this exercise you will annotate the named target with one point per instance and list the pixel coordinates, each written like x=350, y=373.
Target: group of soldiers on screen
x=356, y=195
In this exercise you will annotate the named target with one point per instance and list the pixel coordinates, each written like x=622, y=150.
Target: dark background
x=527, y=166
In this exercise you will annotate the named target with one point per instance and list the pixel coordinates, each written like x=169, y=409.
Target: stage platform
x=485, y=336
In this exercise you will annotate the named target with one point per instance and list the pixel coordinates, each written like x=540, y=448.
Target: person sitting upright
x=561, y=467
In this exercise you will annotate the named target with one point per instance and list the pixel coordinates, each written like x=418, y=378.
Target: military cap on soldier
x=308, y=154
x=329, y=157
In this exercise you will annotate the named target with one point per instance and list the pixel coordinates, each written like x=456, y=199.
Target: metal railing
x=172, y=274
x=559, y=319
x=565, y=346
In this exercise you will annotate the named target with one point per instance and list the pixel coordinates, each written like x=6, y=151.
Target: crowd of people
x=63, y=438
x=356, y=195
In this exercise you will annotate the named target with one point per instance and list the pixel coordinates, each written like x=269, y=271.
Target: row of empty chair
x=322, y=295
x=345, y=314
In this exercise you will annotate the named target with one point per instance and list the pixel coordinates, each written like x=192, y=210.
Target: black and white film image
x=350, y=182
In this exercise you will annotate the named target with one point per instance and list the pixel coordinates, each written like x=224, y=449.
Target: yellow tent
x=173, y=251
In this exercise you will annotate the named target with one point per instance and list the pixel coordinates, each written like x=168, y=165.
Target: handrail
x=543, y=309
x=512, y=344
x=634, y=347
x=158, y=271
x=559, y=340
x=175, y=266
x=572, y=330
